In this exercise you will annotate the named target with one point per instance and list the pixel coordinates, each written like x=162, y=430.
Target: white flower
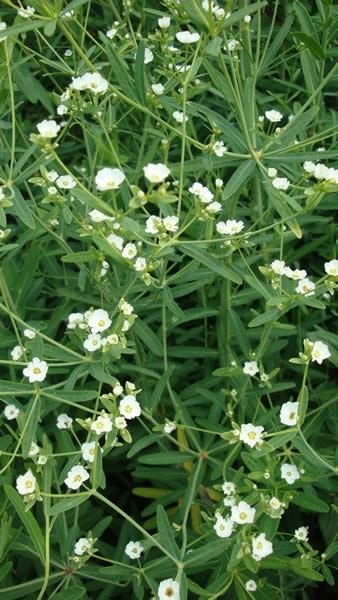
x=99, y=217
x=230, y=227
x=302, y=534
x=26, y=484
x=163, y=22
x=102, y=424
x=229, y=501
x=28, y=333
x=10, y=412
x=93, y=342
x=179, y=116
x=331, y=267
x=309, y=166
x=219, y=149
x=321, y=171
x=295, y=274
x=111, y=33
x=148, y=56
x=66, y=182
x=247, y=19
x=64, y=421
x=306, y=287
x=34, y=449
x=129, y=407
x=289, y=413
x=88, y=451
x=76, y=476
x=171, y=223
x=169, y=590
x=116, y=241
x=158, y=89
x=36, y=370
x=231, y=45
x=196, y=188
x=16, y=353
x=274, y=503
x=243, y=513
x=250, y=585
x=109, y=179
x=134, y=549
x=214, y=207
x=82, y=546
x=27, y=12
x=90, y=81
x=319, y=352
x=169, y=427
x=140, y=264
x=48, y=128
x=120, y=423
x=129, y=251
x=280, y=183
x=251, y=434
x=74, y=320
x=274, y=116
x=62, y=110
x=223, y=527
x=156, y=173
x=278, y=267
x=205, y=195
x=272, y=172
x=219, y=183
x=153, y=224
x=250, y=368
x=99, y=320
x=186, y=37
x=289, y=473
x=261, y=547
x=126, y=308
x=228, y=488
x=68, y=52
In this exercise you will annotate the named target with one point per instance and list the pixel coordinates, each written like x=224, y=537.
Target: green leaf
x=165, y=532
x=79, y=257
x=207, y=552
x=5, y=569
x=31, y=87
x=23, y=27
x=311, y=503
x=139, y=74
x=72, y=593
x=195, y=12
x=311, y=44
x=214, y=264
x=32, y=416
x=29, y=522
x=165, y=458
x=119, y=69
x=303, y=399
x=22, y=210
x=148, y=337
x=67, y=504
x=238, y=178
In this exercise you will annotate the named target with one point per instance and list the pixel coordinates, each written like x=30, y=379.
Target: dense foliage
x=167, y=351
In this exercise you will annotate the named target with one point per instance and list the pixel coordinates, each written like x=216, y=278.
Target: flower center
x=77, y=478
x=169, y=592
x=101, y=322
x=243, y=516
x=252, y=435
x=36, y=370
x=28, y=485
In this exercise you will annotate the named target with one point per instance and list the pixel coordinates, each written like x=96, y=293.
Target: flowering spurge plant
x=168, y=176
